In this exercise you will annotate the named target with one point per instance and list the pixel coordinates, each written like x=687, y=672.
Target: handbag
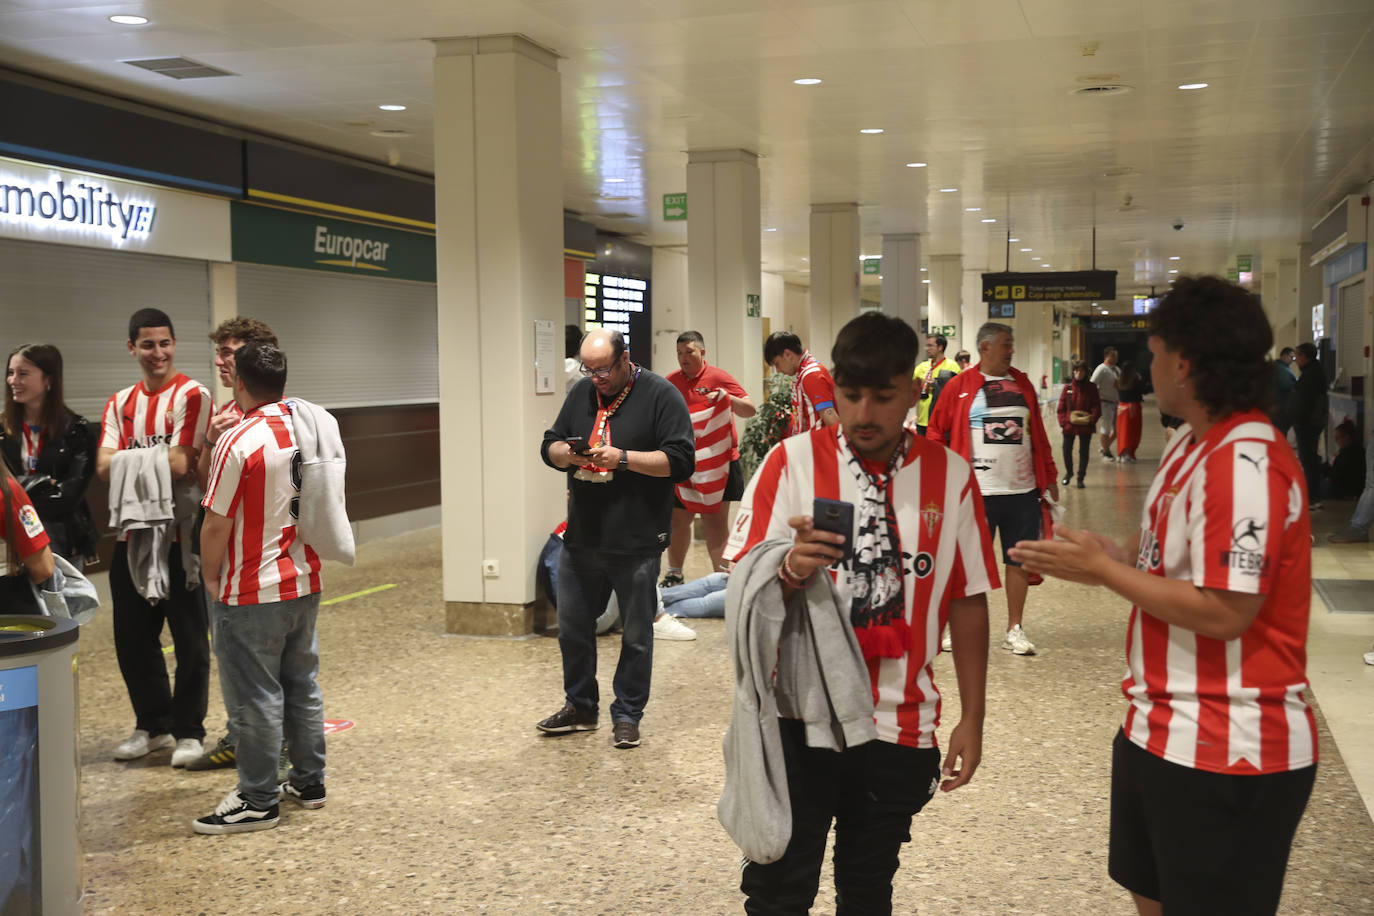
x=1080, y=417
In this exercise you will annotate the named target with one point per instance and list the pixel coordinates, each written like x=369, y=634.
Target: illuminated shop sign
x=74, y=204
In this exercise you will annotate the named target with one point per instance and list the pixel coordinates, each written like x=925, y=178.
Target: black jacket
x=1308, y=405
x=632, y=514
x=58, y=488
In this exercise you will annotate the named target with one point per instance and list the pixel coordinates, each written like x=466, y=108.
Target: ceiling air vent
x=1102, y=89
x=179, y=68
x=619, y=214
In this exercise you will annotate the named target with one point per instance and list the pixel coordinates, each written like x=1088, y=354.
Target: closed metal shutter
x=349, y=341
x=80, y=300
x=1350, y=333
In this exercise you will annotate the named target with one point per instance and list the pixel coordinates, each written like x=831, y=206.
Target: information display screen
x=619, y=303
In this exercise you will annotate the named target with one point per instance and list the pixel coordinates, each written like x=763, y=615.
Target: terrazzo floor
x=443, y=797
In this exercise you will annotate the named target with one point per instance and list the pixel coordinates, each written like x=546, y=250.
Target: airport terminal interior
x=421, y=198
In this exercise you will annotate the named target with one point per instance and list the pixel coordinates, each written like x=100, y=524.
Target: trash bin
x=40, y=785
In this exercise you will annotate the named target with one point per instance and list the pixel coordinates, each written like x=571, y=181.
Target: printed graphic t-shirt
x=999, y=424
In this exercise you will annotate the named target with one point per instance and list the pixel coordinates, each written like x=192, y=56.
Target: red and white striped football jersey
x=943, y=530
x=813, y=390
x=1227, y=512
x=255, y=480
x=177, y=414
x=717, y=443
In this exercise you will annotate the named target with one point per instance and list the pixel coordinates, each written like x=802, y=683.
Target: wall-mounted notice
x=545, y=355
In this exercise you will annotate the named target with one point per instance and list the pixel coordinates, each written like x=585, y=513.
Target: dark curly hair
x=872, y=348
x=1222, y=331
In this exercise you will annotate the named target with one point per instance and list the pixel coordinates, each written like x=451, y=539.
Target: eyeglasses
x=597, y=373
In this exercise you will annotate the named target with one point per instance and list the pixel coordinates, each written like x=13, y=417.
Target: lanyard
x=33, y=444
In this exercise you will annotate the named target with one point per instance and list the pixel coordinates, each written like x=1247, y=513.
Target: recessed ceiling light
x=925, y=281
x=989, y=220
x=948, y=190
x=615, y=180
x=1013, y=240
x=1173, y=257
x=1036, y=258
x=915, y=165
x=1026, y=249
x=923, y=270
x=807, y=81
x=392, y=107
x=1045, y=265
x=1192, y=86
x=972, y=209
x=129, y=20
x=1173, y=271
x=870, y=130
x=770, y=229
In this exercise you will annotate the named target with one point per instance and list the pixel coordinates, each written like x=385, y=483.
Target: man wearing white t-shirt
x=990, y=414
x=1105, y=378
x=265, y=584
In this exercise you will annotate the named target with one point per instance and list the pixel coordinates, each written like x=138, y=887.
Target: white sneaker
x=1017, y=642
x=668, y=627
x=188, y=749
x=139, y=745
x=1369, y=657
x=945, y=644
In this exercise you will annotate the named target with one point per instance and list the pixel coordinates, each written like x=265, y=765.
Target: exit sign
x=675, y=207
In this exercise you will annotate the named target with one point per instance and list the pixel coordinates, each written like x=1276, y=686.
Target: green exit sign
x=1243, y=263
x=753, y=306
x=675, y=207
x=873, y=265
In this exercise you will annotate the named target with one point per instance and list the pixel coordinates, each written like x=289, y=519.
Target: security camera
x=1178, y=224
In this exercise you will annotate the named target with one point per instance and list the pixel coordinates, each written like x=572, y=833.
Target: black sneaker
x=305, y=796
x=1081, y=485
x=234, y=815
x=219, y=757
x=1065, y=481
x=566, y=720
x=670, y=580
x=626, y=735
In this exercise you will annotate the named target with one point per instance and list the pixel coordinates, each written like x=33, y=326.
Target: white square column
x=724, y=257
x=834, y=274
x=903, y=291
x=946, y=276
x=499, y=242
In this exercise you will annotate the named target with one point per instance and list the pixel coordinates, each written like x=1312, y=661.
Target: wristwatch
x=624, y=458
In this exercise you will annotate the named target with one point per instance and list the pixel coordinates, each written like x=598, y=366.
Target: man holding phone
x=921, y=558
x=624, y=438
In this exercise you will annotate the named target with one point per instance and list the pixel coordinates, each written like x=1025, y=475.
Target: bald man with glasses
x=623, y=438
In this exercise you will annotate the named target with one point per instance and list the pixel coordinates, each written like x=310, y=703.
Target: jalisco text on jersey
x=91, y=205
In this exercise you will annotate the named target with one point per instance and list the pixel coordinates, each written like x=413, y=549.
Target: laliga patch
x=28, y=518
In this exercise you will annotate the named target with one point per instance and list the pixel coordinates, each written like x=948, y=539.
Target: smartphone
x=578, y=444
x=837, y=516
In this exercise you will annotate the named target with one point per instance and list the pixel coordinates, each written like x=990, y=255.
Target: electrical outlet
x=491, y=569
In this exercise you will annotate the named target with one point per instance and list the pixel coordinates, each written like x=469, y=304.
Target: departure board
x=619, y=303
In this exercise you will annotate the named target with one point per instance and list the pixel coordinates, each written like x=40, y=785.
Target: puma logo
x=1253, y=460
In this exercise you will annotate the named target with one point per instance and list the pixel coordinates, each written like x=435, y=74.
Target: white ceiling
x=981, y=90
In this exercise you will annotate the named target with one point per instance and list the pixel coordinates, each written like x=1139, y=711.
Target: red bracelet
x=789, y=577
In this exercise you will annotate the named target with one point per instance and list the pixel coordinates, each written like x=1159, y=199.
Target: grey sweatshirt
x=323, y=523
x=148, y=507
x=799, y=661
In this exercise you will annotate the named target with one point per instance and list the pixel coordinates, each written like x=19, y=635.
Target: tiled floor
x=444, y=799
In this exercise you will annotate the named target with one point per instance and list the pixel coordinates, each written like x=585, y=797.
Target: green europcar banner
x=285, y=238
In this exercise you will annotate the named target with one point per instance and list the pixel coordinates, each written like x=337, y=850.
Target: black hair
x=692, y=337
x=871, y=349
x=572, y=339
x=1222, y=331
x=1286, y=350
x=779, y=342
x=1078, y=364
x=940, y=341
x=1308, y=350
x=262, y=368
x=149, y=318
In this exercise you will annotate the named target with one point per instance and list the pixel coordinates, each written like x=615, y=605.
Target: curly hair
x=244, y=329
x=1222, y=331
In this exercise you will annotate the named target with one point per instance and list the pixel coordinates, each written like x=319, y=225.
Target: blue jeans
x=704, y=597
x=586, y=579
x=1364, y=509
x=268, y=657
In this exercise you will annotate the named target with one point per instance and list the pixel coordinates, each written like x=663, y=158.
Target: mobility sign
x=285, y=238
x=1050, y=286
x=44, y=204
x=675, y=207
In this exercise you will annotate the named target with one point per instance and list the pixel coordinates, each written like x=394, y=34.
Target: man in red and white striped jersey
x=713, y=399
x=165, y=408
x=265, y=583
x=922, y=559
x=813, y=390
x=1214, y=764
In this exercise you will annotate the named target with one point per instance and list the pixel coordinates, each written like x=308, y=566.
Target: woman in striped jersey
x=1215, y=761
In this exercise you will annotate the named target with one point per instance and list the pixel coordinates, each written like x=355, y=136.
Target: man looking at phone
x=921, y=557
x=991, y=416
x=624, y=438
x=713, y=399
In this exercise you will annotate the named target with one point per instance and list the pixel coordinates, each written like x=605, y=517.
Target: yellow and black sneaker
x=219, y=757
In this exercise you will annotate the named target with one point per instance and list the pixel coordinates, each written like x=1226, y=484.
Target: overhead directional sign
x=1050, y=286
x=674, y=207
